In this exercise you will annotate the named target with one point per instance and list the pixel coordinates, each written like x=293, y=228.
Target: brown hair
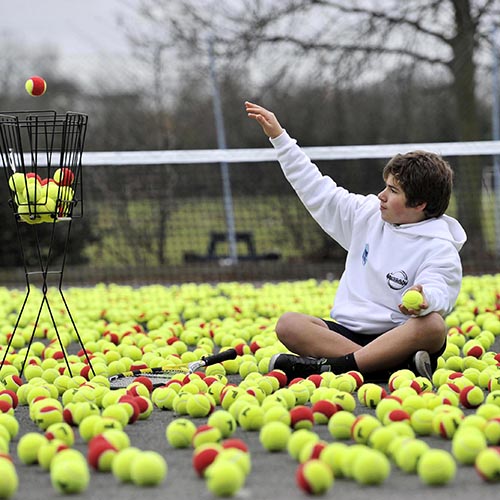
x=424, y=177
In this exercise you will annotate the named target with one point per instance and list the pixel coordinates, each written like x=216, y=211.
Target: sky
x=77, y=28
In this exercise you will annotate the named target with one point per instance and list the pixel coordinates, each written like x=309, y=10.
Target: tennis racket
x=161, y=375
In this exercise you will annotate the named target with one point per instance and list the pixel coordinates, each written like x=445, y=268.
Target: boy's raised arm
x=265, y=118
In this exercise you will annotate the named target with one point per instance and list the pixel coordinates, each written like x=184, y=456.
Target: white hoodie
x=383, y=259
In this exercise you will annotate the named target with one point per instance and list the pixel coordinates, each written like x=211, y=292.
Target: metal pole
x=495, y=126
x=224, y=167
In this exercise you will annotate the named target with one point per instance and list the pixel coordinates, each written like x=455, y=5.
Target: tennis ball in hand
x=436, y=467
x=148, y=468
x=412, y=299
x=35, y=86
x=314, y=477
x=10, y=480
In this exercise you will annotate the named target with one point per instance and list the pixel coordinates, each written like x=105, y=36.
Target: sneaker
x=422, y=363
x=297, y=366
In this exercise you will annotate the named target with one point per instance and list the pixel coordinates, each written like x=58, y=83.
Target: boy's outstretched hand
x=266, y=119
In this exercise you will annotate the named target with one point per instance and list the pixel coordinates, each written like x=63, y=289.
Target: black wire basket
x=42, y=159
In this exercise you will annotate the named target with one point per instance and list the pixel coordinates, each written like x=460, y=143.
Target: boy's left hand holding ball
x=413, y=301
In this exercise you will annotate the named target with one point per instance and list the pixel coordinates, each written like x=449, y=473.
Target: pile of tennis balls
x=331, y=425
x=42, y=200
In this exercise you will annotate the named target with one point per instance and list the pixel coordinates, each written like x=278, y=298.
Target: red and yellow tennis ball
x=204, y=455
x=206, y=434
x=35, y=86
x=323, y=410
x=301, y=417
x=314, y=477
x=412, y=299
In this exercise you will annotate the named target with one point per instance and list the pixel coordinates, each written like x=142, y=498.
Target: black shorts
x=365, y=339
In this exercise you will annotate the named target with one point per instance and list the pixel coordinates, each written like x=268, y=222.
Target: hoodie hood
x=442, y=228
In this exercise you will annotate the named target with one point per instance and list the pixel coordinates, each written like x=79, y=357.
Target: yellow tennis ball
x=48, y=451
x=198, y=405
x=10, y=481
x=436, y=467
x=28, y=446
x=180, y=432
x=251, y=418
x=314, y=477
x=237, y=456
x=332, y=455
x=148, y=468
x=297, y=441
x=467, y=444
x=381, y=438
x=10, y=423
x=122, y=463
x=71, y=476
x=340, y=424
x=408, y=454
x=412, y=299
x=372, y=467
x=363, y=426
x=274, y=436
x=224, y=421
x=277, y=413
x=487, y=464
x=421, y=421
x=224, y=478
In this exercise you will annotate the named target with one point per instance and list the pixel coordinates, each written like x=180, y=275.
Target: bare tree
x=333, y=39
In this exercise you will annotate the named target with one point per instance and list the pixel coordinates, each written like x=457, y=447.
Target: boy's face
x=393, y=208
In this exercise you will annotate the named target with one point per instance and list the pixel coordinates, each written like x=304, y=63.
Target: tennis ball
x=224, y=478
x=117, y=411
x=122, y=463
x=301, y=417
x=487, y=464
x=445, y=424
x=314, y=477
x=61, y=431
x=148, y=468
x=387, y=404
x=371, y=394
x=28, y=446
x=412, y=299
x=421, y=421
x=204, y=455
x=237, y=456
x=277, y=413
x=163, y=397
x=251, y=418
x=436, y=467
x=198, y=405
x=206, y=434
x=63, y=176
x=323, y=410
x=10, y=480
x=372, y=467
x=10, y=423
x=408, y=454
x=48, y=415
x=71, y=476
x=466, y=445
x=332, y=455
x=312, y=449
x=224, y=421
x=471, y=396
x=35, y=86
x=297, y=441
x=340, y=424
x=180, y=432
x=381, y=438
x=48, y=451
x=491, y=430
x=363, y=426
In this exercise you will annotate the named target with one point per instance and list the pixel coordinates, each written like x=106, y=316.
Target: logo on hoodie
x=397, y=280
x=364, y=256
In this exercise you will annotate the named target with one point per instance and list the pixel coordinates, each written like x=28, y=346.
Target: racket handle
x=220, y=357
